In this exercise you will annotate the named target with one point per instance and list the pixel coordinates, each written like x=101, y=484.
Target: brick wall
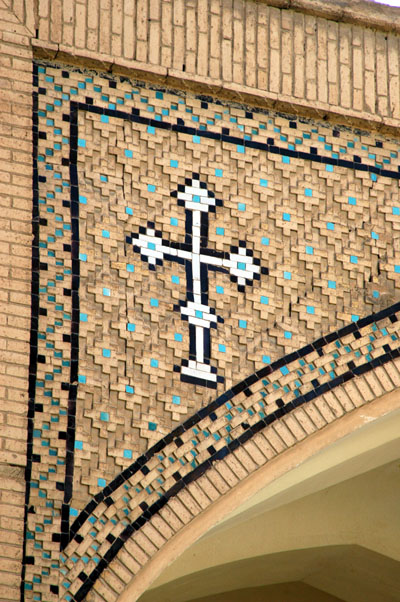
x=297, y=57
x=246, y=54
x=16, y=30
x=306, y=210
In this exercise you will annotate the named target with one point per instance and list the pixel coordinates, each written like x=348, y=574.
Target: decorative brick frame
x=52, y=33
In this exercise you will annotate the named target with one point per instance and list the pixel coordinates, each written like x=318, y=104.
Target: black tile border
x=135, y=117
x=67, y=533
x=208, y=410
x=74, y=337
x=267, y=147
x=233, y=445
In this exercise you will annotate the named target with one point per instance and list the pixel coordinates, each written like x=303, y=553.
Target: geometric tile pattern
x=234, y=418
x=316, y=205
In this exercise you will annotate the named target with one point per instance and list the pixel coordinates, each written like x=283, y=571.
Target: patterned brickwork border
x=276, y=406
x=229, y=439
x=333, y=85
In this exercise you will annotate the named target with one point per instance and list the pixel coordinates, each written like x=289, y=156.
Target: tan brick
x=104, y=30
x=154, y=42
x=17, y=36
x=166, y=25
x=299, y=50
x=10, y=551
x=8, y=592
x=281, y=52
x=56, y=21
x=178, y=13
x=226, y=60
x=80, y=30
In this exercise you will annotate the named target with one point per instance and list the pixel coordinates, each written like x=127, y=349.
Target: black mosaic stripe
x=135, y=117
x=269, y=146
x=33, y=356
x=74, y=339
x=247, y=435
x=319, y=344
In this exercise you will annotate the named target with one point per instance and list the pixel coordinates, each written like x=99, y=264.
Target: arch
x=325, y=448
x=360, y=570
x=243, y=439
x=328, y=501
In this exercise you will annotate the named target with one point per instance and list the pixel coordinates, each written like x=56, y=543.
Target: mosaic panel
x=259, y=401
x=181, y=245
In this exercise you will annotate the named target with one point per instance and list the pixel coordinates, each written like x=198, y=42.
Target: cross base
x=198, y=373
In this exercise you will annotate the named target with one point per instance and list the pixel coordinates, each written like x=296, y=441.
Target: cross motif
x=198, y=259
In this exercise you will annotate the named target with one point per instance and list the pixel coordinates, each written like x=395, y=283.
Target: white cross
x=197, y=259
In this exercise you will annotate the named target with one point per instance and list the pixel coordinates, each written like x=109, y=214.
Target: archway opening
x=325, y=531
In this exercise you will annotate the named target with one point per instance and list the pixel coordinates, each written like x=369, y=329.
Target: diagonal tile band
x=216, y=431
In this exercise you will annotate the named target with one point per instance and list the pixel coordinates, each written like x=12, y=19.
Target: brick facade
x=214, y=221
x=16, y=31
x=298, y=57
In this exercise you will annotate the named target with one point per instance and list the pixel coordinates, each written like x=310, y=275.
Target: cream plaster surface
x=286, y=592
x=347, y=573
x=342, y=540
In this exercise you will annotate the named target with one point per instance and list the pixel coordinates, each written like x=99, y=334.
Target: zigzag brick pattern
x=296, y=266
x=141, y=491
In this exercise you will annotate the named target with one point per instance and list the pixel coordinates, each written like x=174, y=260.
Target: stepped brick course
x=200, y=227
